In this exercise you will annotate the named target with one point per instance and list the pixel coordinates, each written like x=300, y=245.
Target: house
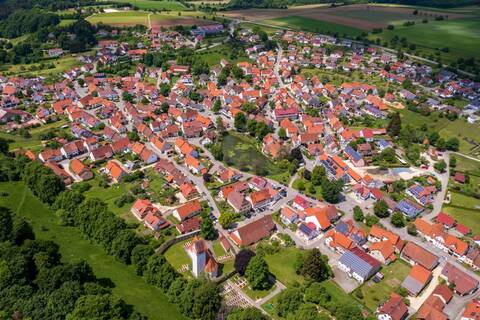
x=141, y=208
x=354, y=156
x=416, y=280
x=358, y=264
x=115, y=170
x=337, y=241
x=472, y=311
x=188, y=225
x=408, y=208
x=253, y=232
x=318, y=217
x=195, y=165
x=187, y=210
x=383, y=251
x=203, y=261
x=288, y=215
x=423, y=195
x=459, y=177
x=154, y=221
x=446, y=220
x=378, y=234
x=59, y=171
x=414, y=254
x=464, y=284
x=259, y=199
x=189, y=191
x=238, y=202
x=78, y=168
x=393, y=309
x=50, y=155
x=307, y=231
x=72, y=149
x=101, y=153
x=432, y=307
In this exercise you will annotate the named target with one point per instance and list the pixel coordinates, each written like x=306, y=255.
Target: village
x=274, y=148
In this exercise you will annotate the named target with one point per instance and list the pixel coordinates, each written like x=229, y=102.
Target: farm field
x=460, y=36
x=375, y=293
x=243, y=152
x=146, y=299
x=121, y=18
x=155, y=5
x=313, y=25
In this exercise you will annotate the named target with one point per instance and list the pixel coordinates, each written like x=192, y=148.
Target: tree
x=358, y=214
x=227, y=218
x=307, y=311
x=4, y=146
x=139, y=257
x=68, y=202
x=257, y=274
x=452, y=144
x=240, y=121
x=331, y=190
x=316, y=293
x=371, y=220
x=217, y=106
x=315, y=266
x=246, y=314
x=318, y=174
x=398, y=220
x=412, y=229
x=98, y=307
x=6, y=224
x=348, y=311
x=207, y=229
x=381, y=209
x=282, y=133
x=289, y=301
x=123, y=245
x=241, y=261
x=440, y=166
x=394, y=126
x=200, y=299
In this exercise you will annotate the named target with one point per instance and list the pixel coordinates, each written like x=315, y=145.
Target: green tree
x=289, y=301
x=227, y=218
x=307, y=311
x=358, y=214
x=6, y=224
x=317, y=176
x=331, y=190
x=139, y=257
x=257, y=274
x=207, y=229
x=398, y=220
x=315, y=266
x=452, y=144
x=394, y=126
x=381, y=209
x=412, y=229
x=98, y=307
x=282, y=133
x=240, y=121
x=316, y=293
x=123, y=245
x=371, y=220
x=348, y=311
x=217, y=106
x=440, y=166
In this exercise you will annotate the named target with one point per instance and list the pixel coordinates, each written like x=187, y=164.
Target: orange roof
x=114, y=170
x=77, y=166
x=420, y=274
x=383, y=234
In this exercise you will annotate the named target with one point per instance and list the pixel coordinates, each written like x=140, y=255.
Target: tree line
x=197, y=299
x=35, y=284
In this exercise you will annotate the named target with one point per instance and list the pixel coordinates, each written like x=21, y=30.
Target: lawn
x=60, y=65
x=212, y=56
x=375, y=293
x=177, y=256
x=306, y=186
x=122, y=18
x=33, y=143
x=313, y=25
x=155, y=5
x=467, y=165
x=468, y=217
x=257, y=294
x=243, y=152
x=458, y=128
x=146, y=299
x=281, y=265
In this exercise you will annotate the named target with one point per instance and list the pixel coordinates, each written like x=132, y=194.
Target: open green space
x=146, y=299
x=281, y=265
x=155, y=5
x=44, y=67
x=243, y=152
x=468, y=217
x=460, y=36
x=212, y=56
x=308, y=188
x=177, y=256
x=372, y=294
x=33, y=143
x=121, y=18
x=467, y=165
x=313, y=25
x=459, y=128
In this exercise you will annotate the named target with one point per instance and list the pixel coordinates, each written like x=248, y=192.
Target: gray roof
x=360, y=263
x=412, y=285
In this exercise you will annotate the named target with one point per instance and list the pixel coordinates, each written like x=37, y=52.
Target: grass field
x=281, y=265
x=313, y=25
x=243, y=152
x=177, y=256
x=446, y=128
x=156, y=5
x=149, y=301
x=61, y=65
x=468, y=217
x=123, y=18
x=375, y=293
x=33, y=143
x=461, y=36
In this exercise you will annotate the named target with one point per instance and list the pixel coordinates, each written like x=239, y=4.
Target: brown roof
x=419, y=255
x=253, y=232
x=394, y=307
